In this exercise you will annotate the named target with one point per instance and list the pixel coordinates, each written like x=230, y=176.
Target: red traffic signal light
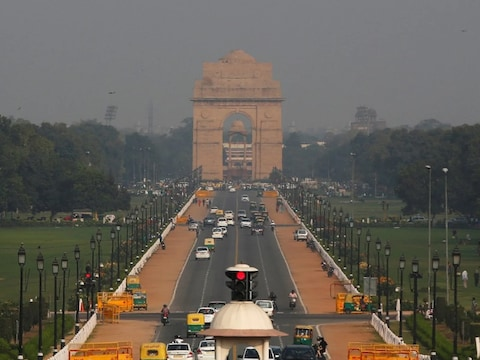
x=240, y=275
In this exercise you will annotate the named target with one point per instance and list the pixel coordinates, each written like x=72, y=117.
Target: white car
x=213, y=209
x=229, y=214
x=245, y=223
x=300, y=235
x=245, y=198
x=221, y=221
x=217, y=233
x=217, y=304
x=250, y=353
x=208, y=313
x=224, y=230
x=266, y=305
x=202, y=252
x=230, y=222
x=206, y=349
x=232, y=189
x=241, y=213
x=179, y=350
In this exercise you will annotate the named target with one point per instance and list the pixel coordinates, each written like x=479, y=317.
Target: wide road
x=204, y=280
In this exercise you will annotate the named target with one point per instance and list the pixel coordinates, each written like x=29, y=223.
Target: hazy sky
x=408, y=59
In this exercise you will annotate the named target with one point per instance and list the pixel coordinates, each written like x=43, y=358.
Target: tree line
x=56, y=167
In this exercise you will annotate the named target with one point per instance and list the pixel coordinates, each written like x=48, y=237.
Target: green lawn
x=412, y=241
x=54, y=241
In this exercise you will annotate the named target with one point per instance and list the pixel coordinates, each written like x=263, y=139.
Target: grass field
x=411, y=241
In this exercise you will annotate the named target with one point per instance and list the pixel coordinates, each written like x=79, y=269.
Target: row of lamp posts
x=95, y=244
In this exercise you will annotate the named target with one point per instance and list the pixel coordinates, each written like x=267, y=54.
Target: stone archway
x=237, y=86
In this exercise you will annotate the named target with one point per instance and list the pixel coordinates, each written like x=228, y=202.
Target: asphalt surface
x=173, y=276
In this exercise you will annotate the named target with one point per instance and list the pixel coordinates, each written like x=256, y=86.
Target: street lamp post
x=359, y=233
x=401, y=265
x=340, y=214
x=118, y=227
x=113, y=235
x=352, y=224
x=76, y=253
x=387, y=287
x=429, y=169
x=324, y=205
x=22, y=257
x=64, y=263
x=334, y=218
x=435, y=264
x=127, y=242
x=55, y=268
x=40, y=267
x=378, y=246
x=447, y=285
x=353, y=155
x=98, y=236
x=136, y=233
x=415, y=275
x=456, y=263
x=369, y=274
x=92, y=248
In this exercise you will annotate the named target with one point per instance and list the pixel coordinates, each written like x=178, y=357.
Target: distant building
x=366, y=120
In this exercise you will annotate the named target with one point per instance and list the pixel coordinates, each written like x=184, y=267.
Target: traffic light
x=238, y=284
x=88, y=275
x=252, y=284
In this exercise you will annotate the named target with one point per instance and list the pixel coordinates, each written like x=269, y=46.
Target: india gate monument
x=237, y=119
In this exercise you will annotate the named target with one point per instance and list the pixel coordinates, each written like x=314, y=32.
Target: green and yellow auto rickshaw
x=195, y=323
x=303, y=335
x=210, y=244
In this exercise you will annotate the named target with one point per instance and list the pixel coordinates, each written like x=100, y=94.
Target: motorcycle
x=324, y=266
x=310, y=244
x=163, y=245
x=164, y=320
x=330, y=271
x=292, y=303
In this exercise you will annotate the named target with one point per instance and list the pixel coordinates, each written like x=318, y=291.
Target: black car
x=257, y=229
x=209, y=221
x=298, y=352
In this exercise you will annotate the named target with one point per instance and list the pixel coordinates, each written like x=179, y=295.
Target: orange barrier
x=204, y=194
x=182, y=220
x=371, y=351
x=101, y=351
x=123, y=302
x=270, y=193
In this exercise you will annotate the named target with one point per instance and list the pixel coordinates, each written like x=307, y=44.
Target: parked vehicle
x=300, y=235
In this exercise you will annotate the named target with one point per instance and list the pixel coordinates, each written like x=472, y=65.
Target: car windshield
x=176, y=347
x=206, y=311
x=251, y=354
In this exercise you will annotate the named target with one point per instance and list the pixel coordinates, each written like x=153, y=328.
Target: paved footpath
x=312, y=282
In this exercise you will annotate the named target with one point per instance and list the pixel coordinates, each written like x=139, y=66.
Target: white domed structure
x=241, y=322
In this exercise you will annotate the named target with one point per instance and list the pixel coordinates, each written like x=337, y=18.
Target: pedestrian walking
x=476, y=276
x=465, y=278
x=474, y=306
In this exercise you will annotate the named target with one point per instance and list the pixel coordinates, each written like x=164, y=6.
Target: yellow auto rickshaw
x=153, y=351
x=195, y=323
x=210, y=244
x=303, y=335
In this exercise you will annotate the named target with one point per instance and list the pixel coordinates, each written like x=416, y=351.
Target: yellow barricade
x=270, y=193
x=369, y=351
x=204, y=194
x=101, y=351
